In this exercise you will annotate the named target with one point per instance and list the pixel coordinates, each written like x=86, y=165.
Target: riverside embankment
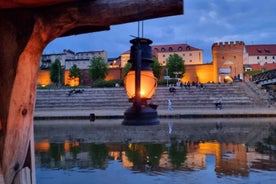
x=48, y=114
x=239, y=100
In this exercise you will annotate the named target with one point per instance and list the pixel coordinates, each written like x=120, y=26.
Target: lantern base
x=145, y=116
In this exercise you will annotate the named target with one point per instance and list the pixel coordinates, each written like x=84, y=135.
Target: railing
x=265, y=78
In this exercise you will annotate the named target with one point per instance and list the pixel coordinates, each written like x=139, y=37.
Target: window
x=163, y=49
x=164, y=55
x=190, y=54
x=273, y=57
x=179, y=48
x=170, y=49
x=222, y=57
x=183, y=54
x=188, y=48
x=191, y=60
x=156, y=49
x=265, y=57
x=164, y=62
x=258, y=57
x=234, y=57
x=267, y=51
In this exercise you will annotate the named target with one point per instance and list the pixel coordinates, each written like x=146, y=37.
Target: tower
x=228, y=61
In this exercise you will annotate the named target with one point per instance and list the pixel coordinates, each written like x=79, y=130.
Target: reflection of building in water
x=115, y=151
x=195, y=159
x=42, y=146
x=126, y=163
x=260, y=161
x=231, y=159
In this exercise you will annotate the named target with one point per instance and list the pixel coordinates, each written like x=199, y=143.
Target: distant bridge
x=265, y=78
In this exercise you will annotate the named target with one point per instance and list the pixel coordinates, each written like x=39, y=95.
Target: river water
x=176, y=151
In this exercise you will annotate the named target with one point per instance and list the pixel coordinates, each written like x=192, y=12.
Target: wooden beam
x=23, y=177
x=101, y=14
x=29, y=3
x=1, y=177
x=24, y=33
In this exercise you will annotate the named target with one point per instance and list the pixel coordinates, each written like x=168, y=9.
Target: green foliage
x=126, y=69
x=56, y=72
x=254, y=72
x=55, y=152
x=75, y=150
x=177, y=154
x=134, y=155
x=154, y=153
x=99, y=155
x=175, y=64
x=156, y=68
x=163, y=82
x=74, y=72
x=98, y=68
x=109, y=83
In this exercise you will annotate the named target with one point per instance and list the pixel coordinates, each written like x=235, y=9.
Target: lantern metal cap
x=141, y=40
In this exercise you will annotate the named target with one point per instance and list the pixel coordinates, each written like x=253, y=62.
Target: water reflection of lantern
x=140, y=85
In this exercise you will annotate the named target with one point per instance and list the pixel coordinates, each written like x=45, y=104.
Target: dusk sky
x=203, y=23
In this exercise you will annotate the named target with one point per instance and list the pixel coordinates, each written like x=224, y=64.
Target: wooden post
x=24, y=33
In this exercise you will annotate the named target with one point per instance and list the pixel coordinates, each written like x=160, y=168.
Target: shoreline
x=78, y=114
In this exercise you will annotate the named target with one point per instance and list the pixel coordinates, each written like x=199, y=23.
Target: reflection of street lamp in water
x=58, y=74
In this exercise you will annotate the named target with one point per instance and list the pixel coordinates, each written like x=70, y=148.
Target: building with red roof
x=189, y=54
x=260, y=57
x=230, y=61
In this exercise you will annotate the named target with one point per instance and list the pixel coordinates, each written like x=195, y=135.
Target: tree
x=74, y=72
x=175, y=64
x=56, y=72
x=156, y=68
x=127, y=68
x=98, y=68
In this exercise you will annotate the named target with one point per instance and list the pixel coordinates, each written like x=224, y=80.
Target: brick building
x=230, y=61
x=67, y=59
x=190, y=55
x=260, y=57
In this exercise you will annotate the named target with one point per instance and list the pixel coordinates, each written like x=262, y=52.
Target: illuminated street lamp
x=140, y=85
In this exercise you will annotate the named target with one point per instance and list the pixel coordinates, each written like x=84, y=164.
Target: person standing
x=170, y=105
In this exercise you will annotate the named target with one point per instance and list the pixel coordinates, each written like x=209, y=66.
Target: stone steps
x=112, y=98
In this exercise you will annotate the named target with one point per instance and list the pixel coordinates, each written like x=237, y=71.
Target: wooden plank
x=32, y=156
x=1, y=177
x=23, y=177
x=30, y=3
x=20, y=116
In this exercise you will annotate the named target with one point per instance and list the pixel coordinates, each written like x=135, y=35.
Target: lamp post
x=177, y=73
x=140, y=85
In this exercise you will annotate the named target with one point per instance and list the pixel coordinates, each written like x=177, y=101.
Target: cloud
x=203, y=23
